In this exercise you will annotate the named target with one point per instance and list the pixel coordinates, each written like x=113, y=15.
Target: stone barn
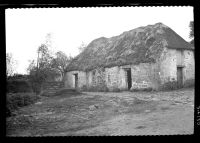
x=150, y=57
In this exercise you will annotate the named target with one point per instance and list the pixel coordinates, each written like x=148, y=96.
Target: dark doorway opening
x=76, y=80
x=129, y=79
x=180, y=77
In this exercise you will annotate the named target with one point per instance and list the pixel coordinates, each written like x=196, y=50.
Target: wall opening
x=76, y=80
x=128, y=77
x=180, y=77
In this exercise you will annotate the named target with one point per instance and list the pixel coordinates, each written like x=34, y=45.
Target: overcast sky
x=26, y=29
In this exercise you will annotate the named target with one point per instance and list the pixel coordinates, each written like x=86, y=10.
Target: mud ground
x=99, y=113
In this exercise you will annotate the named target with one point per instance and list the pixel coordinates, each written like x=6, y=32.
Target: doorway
x=128, y=77
x=76, y=80
x=180, y=77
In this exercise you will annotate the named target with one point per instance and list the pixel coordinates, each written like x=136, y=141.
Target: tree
x=41, y=71
x=82, y=47
x=191, y=35
x=44, y=57
x=191, y=25
x=60, y=62
x=10, y=64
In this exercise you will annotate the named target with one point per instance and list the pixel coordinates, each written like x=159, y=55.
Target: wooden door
x=180, y=77
x=129, y=79
x=76, y=80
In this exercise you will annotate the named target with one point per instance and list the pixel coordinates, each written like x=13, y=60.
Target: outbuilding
x=150, y=57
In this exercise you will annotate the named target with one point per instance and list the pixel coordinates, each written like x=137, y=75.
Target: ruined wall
x=70, y=79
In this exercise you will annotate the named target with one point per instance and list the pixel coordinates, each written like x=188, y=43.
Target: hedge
x=15, y=86
x=16, y=100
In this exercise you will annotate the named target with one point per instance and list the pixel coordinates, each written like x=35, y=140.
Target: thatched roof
x=140, y=45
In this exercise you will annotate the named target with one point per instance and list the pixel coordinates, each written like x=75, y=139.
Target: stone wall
x=168, y=66
x=174, y=58
x=70, y=79
x=144, y=75
x=112, y=77
x=189, y=65
x=49, y=88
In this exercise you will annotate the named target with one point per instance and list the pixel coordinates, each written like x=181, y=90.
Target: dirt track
x=123, y=113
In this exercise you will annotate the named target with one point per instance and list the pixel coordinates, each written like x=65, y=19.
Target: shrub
x=84, y=88
x=67, y=92
x=115, y=89
x=16, y=100
x=189, y=83
x=171, y=85
x=36, y=87
x=45, y=93
x=142, y=89
x=91, y=88
x=98, y=88
x=134, y=89
x=15, y=86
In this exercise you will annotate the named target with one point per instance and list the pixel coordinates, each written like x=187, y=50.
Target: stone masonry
x=144, y=75
x=49, y=88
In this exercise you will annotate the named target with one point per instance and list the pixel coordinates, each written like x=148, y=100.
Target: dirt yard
x=98, y=113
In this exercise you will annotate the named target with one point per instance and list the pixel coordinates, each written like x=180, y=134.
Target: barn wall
x=168, y=66
x=189, y=65
x=70, y=79
x=111, y=77
x=144, y=75
x=174, y=58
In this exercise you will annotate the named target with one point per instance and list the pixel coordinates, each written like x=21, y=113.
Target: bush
x=15, y=86
x=67, y=92
x=142, y=89
x=98, y=88
x=171, y=85
x=16, y=100
x=189, y=83
x=115, y=89
x=84, y=88
x=36, y=87
x=46, y=93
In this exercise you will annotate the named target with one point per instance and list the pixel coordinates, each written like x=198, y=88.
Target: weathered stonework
x=152, y=56
x=70, y=80
x=49, y=88
x=143, y=76
x=177, y=58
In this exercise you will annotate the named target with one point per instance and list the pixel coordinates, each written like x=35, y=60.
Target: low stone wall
x=49, y=88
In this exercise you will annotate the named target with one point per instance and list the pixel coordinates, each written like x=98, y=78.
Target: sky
x=68, y=28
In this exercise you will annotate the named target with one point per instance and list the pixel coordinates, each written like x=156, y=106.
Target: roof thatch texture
x=140, y=45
